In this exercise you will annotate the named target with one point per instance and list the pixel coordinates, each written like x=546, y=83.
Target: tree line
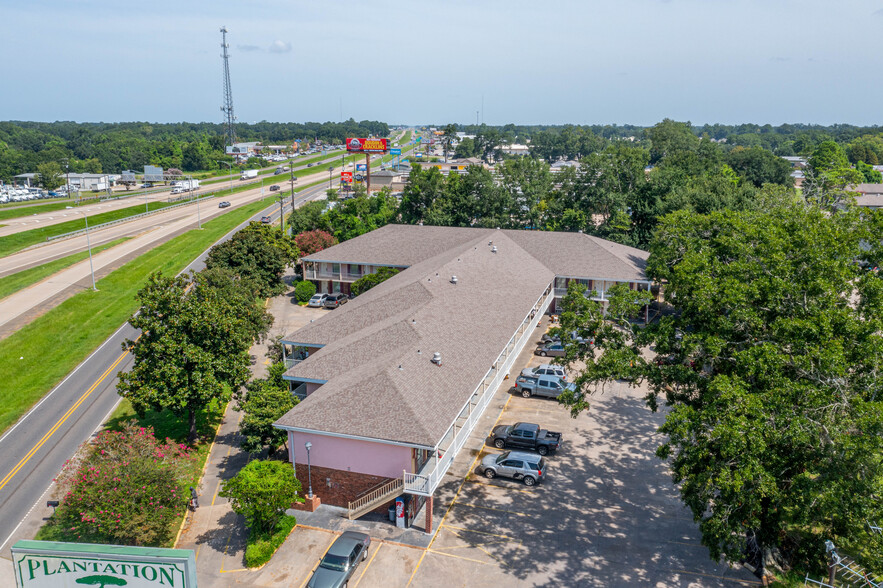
x=114, y=147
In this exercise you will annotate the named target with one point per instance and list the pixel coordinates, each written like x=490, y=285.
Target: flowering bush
x=127, y=490
x=310, y=242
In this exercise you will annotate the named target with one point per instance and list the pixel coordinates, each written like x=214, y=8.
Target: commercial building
x=393, y=382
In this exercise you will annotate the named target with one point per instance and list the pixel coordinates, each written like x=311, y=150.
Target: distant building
x=515, y=149
x=870, y=195
x=243, y=149
x=795, y=161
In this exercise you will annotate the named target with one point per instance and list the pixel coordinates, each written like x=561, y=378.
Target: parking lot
x=606, y=514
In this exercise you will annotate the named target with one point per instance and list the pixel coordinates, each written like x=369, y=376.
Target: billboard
x=39, y=564
x=361, y=167
x=346, y=177
x=354, y=145
x=395, y=151
x=153, y=174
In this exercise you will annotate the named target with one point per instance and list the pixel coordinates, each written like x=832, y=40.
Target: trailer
x=249, y=174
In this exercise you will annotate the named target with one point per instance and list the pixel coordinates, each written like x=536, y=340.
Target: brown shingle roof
x=380, y=382
x=469, y=323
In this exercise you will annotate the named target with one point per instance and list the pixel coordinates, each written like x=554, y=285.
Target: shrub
x=310, y=242
x=304, y=291
x=260, y=548
x=126, y=491
x=261, y=492
x=367, y=282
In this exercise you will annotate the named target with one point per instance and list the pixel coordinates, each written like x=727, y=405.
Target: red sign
x=346, y=177
x=354, y=145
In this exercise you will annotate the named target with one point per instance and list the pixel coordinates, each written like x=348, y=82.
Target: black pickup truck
x=526, y=436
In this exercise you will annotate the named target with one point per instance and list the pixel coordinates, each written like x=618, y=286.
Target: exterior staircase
x=375, y=498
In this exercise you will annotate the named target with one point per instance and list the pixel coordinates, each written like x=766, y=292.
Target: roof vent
x=436, y=358
x=400, y=366
x=580, y=231
x=494, y=249
x=453, y=279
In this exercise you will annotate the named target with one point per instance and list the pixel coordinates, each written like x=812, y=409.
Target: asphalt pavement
x=34, y=450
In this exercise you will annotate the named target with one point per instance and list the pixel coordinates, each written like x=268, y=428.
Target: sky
x=435, y=62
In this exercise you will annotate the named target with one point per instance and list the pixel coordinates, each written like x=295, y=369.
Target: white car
x=317, y=301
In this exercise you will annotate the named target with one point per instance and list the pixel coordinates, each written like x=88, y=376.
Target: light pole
x=309, y=446
x=330, y=169
x=89, y=245
x=231, y=172
x=198, y=217
x=292, y=181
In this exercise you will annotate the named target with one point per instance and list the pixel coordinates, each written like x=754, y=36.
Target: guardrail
x=126, y=219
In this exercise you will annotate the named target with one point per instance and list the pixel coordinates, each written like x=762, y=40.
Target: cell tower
x=227, y=108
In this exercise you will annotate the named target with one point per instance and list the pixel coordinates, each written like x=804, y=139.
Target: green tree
x=306, y=217
x=50, y=175
x=367, y=282
x=771, y=367
x=252, y=256
x=528, y=183
x=243, y=294
x=304, y=291
x=759, y=166
x=668, y=137
x=261, y=492
x=869, y=174
x=448, y=138
x=193, y=348
x=263, y=403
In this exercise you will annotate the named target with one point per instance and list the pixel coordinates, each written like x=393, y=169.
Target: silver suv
x=528, y=467
x=547, y=369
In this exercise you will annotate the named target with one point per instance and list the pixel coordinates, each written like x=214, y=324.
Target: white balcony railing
x=300, y=392
x=430, y=475
x=290, y=363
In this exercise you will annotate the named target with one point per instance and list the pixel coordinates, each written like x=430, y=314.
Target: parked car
x=273, y=188
x=52, y=194
x=340, y=561
x=550, y=349
x=527, y=436
x=556, y=338
x=530, y=468
x=546, y=386
x=277, y=172
x=223, y=204
x=310, y=165
x=266, y=219
x=335, y=300
x=317, y=301
x=546, y=369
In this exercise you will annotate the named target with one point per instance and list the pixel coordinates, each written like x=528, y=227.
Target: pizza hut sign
x=355, y=145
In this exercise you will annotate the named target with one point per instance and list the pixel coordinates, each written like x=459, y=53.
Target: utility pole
x=227, y=108
x=282, y=212
x=292, y=181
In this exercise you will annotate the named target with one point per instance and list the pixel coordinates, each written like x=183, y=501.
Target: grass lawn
x=15, y=282
x=19, y=211
x=165, y=425
x=70, y=331
x=18, y=241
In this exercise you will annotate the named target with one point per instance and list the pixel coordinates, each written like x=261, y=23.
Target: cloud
x=245, y=48
x=280, y=47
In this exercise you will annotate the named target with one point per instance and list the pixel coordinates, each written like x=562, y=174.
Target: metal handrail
x=127, y=219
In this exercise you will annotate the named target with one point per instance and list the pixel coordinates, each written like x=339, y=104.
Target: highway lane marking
x=54, y=390
x=61, y=421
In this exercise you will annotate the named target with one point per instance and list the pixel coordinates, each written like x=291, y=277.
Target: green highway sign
x=48, y=564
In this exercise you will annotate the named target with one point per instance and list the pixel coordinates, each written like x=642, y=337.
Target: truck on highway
x=188, y=185
x=249, y=174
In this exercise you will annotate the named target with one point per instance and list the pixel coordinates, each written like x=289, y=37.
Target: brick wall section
x=345, y=486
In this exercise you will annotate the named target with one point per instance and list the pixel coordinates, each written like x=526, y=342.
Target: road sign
x=361, y=167
x=395, y=151
x=419, y=155
x=346, y=177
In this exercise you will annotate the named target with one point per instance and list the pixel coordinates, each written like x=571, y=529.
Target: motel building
x=393, y=382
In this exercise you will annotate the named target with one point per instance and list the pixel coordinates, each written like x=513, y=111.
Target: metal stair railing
x=370, y=500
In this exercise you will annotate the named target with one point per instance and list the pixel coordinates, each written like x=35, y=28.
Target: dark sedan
x=340, y=561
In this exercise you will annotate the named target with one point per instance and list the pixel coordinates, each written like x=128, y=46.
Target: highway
x=34, y=450
x=29, y=221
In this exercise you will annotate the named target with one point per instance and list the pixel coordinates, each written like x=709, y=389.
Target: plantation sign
x=40, y=564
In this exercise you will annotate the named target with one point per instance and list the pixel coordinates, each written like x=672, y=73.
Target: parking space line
x=316, y=529
x=445, y=516
x=307, y=579
x=456, y=557
x=368, y=565
x=479, y=532
x=521, y=514
x=741, y=581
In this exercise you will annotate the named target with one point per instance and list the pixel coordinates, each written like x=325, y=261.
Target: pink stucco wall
x=351, y=455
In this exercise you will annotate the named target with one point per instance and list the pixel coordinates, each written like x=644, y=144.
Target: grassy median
x=38, y=356
x=18, y=241
x=19, y=280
